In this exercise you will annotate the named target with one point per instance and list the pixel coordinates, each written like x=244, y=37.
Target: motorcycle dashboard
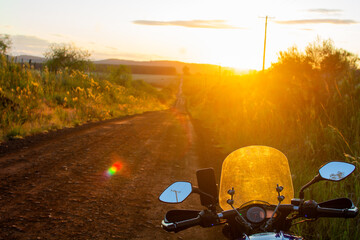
x=257, y=213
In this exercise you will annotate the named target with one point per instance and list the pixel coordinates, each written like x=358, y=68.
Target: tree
x=312, y=77
x=5, y=43
x=323, y=55
x=186, y=70
x=61, y=56
x=121, y=75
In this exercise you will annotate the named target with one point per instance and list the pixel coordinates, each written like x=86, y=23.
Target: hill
x=194, y=68
x=146, y=67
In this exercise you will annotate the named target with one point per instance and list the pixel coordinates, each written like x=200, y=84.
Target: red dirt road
x=56, y=187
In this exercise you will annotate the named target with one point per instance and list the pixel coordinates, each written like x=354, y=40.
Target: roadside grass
x=312, y=115
x=32, y=101
x=157, y=80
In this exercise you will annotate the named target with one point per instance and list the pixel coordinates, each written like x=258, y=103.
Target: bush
x=65, y=56
x=121, y=75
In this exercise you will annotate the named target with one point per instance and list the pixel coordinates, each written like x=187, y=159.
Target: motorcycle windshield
x=254, y=173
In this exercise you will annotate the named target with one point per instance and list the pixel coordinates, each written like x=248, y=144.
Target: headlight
x=256, y=214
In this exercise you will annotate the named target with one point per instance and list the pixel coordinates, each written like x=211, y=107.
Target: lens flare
x=116, y=167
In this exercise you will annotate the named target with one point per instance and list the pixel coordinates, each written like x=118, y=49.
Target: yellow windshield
x=254, y=172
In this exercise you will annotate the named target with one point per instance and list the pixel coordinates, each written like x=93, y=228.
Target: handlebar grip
x=181, y=225
x=340, y=213
x=310, y=209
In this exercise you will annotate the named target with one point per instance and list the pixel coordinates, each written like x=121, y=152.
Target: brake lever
x=169, y=227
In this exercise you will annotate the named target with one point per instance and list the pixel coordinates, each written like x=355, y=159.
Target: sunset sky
x=229, y=33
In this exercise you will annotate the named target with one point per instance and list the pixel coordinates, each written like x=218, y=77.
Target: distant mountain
x=115, y=61
x=194, y=68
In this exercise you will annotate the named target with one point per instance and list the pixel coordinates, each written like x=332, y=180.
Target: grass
x=308, y=108
x=157, y=80
x=33, y=101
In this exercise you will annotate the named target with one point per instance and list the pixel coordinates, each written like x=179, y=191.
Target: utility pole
x=265, y=43
x=176, y=194
x=266, y=19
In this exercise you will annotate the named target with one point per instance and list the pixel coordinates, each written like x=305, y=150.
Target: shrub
x=65, y=56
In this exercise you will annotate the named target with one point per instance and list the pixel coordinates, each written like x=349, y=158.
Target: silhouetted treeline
x=103, y=68
x=139, y=69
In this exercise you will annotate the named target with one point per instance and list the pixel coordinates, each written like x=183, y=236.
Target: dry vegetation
x=33, y=101
x=307, y=105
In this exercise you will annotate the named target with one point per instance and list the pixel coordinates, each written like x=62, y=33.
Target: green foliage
x=5, y=43
x=121, y=75
x=65, y=56
x=307, y=105
x=32, y=101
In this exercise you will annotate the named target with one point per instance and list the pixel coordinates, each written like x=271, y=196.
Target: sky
x=227, y=32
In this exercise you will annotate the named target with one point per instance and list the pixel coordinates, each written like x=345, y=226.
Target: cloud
x=57, y=35
x=28, y=44
x=111, y=48
x=318, y=21
x=29, y=41
x=214, y=24
x=325, y=11
x=61, y=36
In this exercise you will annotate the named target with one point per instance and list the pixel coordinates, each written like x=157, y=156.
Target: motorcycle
x=256, y=197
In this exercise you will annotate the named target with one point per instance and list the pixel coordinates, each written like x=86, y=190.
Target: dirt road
x=57, y=186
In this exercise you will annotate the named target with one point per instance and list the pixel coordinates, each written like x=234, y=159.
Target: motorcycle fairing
x=254, y=172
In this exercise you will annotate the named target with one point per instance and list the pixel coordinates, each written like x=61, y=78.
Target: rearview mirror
x=207, y=184
x=332, y=171
x=176, y=192
x=336, y=171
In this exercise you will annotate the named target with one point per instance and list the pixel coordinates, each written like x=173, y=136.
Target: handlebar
x=181, y=225
x=204, y=218
x=339, y=213
x=309, y=209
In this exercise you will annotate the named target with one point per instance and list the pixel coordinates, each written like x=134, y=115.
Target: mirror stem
x=198, y=191
x=314, y=180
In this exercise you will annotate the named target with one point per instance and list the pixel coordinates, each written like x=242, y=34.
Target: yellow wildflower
x=79, y=89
